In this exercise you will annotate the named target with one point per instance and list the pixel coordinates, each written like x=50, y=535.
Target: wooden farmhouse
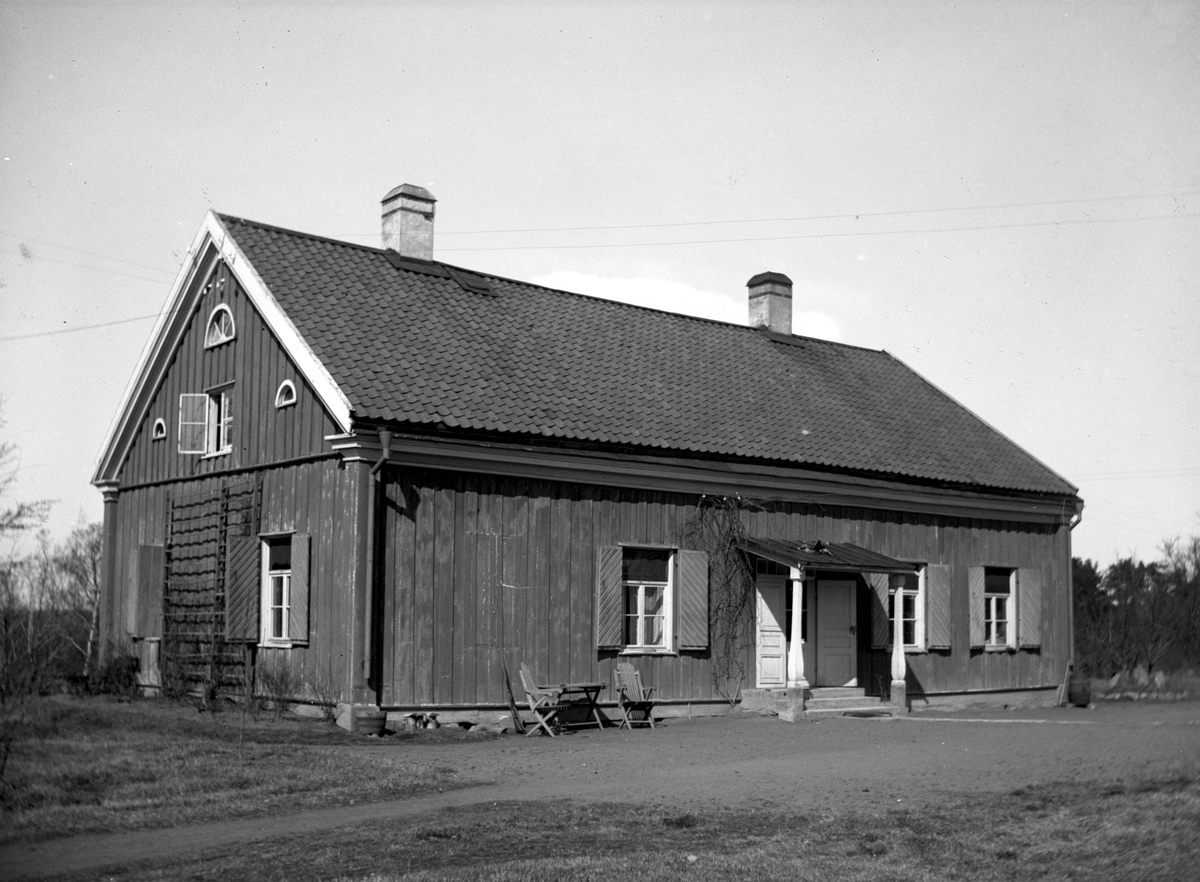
x=396, y=480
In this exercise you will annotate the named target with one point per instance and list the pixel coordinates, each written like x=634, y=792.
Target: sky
x=1005, y=196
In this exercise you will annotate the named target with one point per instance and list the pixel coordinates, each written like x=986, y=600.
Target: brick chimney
x=771, y=302
x=408, y=221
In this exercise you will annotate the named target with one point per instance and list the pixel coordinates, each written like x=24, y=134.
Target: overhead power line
x=812, y=217
x=136, y=318
x=853, y=234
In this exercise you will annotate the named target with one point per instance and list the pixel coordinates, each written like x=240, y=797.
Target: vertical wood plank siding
x=256, y=364
x=305, y=498
x=484, y=573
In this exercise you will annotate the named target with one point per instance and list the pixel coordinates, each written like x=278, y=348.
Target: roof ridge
x=791, y=339
x=299, y=233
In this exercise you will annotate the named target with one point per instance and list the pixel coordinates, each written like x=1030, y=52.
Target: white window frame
x=267, y=636
x=990, y=619
x=898, y=585
x=159, y=432
x=214, y=333
x=218, y=435
x=285, y=395
x=668, y=612
x=199, y=424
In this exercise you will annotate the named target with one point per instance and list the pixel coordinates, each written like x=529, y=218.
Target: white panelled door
x=771, y=644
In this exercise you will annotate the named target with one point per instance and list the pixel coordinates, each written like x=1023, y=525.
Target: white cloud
x=655, y=293
x=817, y=324
x=684, y=299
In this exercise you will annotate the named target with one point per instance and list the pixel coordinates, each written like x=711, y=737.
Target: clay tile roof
x=421, y=343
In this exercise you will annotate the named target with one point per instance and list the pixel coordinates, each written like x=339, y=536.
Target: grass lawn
x=82, y=766
x=1146, y=830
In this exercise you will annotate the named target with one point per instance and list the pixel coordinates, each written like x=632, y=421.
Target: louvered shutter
x=1029, y=607
x=298, y=614
x=880, y=627
x=975, y=583
x=151, y=574
x=242, y=589
x=193, y=422
x=692, y=600
x=937, y=606
x=610, y=601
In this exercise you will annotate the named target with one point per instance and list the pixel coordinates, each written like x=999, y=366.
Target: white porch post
x=796, y=679
x=899, y=663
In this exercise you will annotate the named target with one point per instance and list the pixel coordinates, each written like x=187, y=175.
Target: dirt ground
x=733, y=761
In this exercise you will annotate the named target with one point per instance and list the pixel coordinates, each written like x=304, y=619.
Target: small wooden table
x=578, y=695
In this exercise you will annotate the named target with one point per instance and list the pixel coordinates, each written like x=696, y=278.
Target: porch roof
x=818, y=555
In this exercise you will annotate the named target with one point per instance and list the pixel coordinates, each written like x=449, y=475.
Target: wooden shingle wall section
x=256, y=365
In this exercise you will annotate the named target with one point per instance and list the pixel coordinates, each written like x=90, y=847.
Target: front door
x=837, y=645
x=771, y=645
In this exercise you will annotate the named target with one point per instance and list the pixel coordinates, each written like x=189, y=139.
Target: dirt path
x=727, y=761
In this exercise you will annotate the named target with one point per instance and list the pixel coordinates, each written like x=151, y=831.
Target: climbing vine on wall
x=717, y=528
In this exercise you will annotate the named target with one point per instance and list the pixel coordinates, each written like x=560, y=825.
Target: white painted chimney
x=771, y=302
x=408, y=221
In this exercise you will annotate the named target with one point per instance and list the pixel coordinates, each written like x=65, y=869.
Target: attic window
x=160, y=430
x=220, y=327
x=286, y=395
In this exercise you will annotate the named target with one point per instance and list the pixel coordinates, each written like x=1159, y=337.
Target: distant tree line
x=1134, y=614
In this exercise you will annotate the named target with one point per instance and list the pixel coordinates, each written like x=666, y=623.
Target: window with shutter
x=651, y=599
x=284, y=599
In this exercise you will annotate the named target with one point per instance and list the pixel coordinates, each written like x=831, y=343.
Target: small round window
x=160, y=430
x=220, y=326
x=286, y=395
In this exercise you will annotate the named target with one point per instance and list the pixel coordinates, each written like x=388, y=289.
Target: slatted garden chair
x=632, y=697
x=543, y=701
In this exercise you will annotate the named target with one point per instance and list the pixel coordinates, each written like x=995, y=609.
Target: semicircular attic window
x=159, y=432
x=220, y=327
x=286, y=395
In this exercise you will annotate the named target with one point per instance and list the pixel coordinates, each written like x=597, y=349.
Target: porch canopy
x=835, y=556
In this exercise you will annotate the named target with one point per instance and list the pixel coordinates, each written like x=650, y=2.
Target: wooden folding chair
x=632, y=697
x=543, y=701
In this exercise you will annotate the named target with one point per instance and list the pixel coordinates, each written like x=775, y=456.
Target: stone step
x=880, y=709
x=837, y=692
x=846, y=702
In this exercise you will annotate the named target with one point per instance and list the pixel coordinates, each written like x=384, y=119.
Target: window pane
x=910, y=633
x=277, y=591
x=631, y=634
x=654, y=630
x=910, y=607
x=654, y=600
x=279, y=556
x=996, y=580
x=646, y=564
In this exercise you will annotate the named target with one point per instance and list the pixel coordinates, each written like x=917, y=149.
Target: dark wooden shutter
x=151, y=575
x=610, y=599
x=193, y=422
x=243, y=589
x=1029, y=607
x=937, y=606
x=298, y=616
x=880, y=626
x=975, y=583
x=691, y=599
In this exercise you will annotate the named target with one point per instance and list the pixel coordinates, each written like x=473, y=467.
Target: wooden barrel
x=1079, y=691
